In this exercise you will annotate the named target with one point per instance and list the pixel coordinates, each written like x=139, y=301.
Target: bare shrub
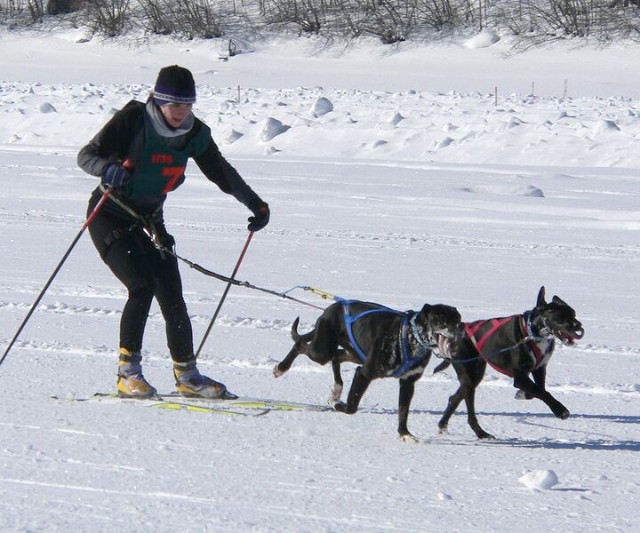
x=36, y=10
x=437, y=14
x=107, y=17
x=197, y=18
x=63, y=7
x=531, y=22
x=157, y=17
x=307, y=15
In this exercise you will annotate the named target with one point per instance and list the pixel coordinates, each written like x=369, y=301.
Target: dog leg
x=539, y=378
x=470, y=380
x=469, y=375
x=338, y=384
x=470, y=399
x=407, y=388
x=341, y=356
x=452, y=405
x=319, y=345
x=284, y=365
x=525, y=384
x=299, y=346
x=468, y=394
x=358, y=388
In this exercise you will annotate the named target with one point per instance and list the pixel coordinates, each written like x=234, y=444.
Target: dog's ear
x=541, y=298
x=425, y=309
x=558, y=301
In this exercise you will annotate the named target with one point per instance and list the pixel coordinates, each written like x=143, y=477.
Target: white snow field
x=394, y=177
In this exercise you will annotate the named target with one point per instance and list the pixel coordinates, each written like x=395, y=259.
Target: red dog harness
x=481, y=332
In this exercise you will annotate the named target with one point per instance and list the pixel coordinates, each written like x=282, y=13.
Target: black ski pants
x=146, y=273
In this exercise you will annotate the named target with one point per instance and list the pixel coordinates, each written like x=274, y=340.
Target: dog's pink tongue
x=569, y=339
x=444, y=345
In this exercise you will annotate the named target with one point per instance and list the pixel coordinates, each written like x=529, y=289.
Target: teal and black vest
x=159, y=168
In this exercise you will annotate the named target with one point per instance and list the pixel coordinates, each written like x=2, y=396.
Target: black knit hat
x=174, y=85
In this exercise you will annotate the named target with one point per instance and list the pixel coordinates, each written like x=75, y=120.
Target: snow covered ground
x=392, y=177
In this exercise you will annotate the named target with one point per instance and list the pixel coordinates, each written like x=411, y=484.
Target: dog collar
x=408, y=359
x=413, y=322
x=526, y=323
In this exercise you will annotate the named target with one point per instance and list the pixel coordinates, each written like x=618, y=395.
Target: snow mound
x=232, y=136
x=539, y=479
x=271, y=128
x=46, y=107
x=533, y=191
x=604, y=127
x=396, y=119
x=482, y=40
x=322, y=106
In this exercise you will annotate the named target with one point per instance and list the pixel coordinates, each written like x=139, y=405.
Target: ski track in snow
x=630, y=391
x=244, y=322
x=409, y=239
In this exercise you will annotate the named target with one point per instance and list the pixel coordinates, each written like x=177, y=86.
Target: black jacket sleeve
x=114, y=141
x=218, y=170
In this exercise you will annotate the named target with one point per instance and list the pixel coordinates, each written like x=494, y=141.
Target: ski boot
x=131, y=382
x=192, y=384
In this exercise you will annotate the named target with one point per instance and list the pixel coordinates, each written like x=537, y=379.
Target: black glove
x=163, y=239
x=116, y=176
x=260, y=217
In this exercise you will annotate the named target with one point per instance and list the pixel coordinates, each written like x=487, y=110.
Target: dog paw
x=336, y=394
x=408, y=437
x=340, y=406
x=277, y=372
x=561, y=412
x=485, y=436
x=443, y=430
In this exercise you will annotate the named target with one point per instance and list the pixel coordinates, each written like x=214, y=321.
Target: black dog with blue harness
x=409, y=359
x=383, y=341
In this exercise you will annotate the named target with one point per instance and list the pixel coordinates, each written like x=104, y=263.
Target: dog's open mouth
x=569, y=338
x=445, y=346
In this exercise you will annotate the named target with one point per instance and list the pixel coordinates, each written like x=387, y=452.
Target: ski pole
x=226, y=290
x=90, y=218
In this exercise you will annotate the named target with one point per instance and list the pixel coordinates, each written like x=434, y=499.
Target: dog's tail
x=305, y=337
x=442, y=366
x=294, y=330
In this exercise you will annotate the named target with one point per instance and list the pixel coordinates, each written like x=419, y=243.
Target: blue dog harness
x=408, y=360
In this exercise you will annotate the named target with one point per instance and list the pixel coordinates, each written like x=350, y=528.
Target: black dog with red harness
x=517, y=346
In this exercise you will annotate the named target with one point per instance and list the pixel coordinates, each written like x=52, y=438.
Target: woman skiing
x=141, y=155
